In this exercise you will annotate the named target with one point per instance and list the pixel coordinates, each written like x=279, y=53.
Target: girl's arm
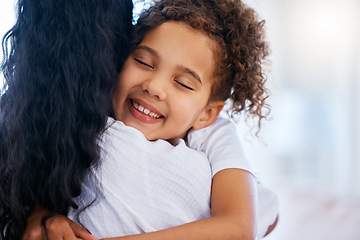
x=233, y=210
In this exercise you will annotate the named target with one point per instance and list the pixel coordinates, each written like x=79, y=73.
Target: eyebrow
x=191, y=72
x=182, y=68
x=149, y=50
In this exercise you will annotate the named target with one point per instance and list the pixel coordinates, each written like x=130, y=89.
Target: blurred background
x=313, y=137
x=309, y=150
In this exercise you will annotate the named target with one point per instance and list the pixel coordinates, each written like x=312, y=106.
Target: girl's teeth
x=145, y=111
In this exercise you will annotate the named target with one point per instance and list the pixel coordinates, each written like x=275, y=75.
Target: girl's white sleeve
x=221, y=144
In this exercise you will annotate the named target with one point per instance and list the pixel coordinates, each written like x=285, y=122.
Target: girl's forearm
x=233, y=211
x=210, y=228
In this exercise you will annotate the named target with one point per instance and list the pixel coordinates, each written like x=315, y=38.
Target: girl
x=189, y=57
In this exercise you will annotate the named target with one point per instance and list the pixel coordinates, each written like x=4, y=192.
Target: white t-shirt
x=222, y=145
x=146, y=186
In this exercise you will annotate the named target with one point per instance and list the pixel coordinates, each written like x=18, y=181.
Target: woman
x=43, y=159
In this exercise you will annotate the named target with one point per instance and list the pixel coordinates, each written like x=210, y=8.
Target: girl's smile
x=144, y=112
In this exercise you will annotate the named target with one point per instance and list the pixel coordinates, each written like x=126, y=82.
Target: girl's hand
x=57, y=227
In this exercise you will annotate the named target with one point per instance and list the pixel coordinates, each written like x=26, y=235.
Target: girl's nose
x=155, y=87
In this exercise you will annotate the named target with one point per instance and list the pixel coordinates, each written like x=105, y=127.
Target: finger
x=81, y=232
x=49, y=233
x=58, y=228
x=69, y=235
x=33, y=229
x=52, y=236
x=33, y=233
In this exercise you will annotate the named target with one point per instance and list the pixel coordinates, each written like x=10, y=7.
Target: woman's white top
x=143, y=186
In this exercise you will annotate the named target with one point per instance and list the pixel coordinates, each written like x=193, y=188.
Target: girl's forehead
x=180, y=38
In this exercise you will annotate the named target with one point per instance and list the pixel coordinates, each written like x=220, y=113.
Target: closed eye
x=143, y=63
x=183, y=85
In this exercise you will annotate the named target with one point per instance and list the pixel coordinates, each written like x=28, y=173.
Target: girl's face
x=165, y=83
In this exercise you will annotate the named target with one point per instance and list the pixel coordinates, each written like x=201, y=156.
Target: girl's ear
x=209, y=115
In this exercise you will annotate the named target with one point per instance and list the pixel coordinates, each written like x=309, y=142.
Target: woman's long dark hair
x=60, y=61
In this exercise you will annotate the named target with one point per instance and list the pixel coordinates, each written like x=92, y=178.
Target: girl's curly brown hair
x=241, y=48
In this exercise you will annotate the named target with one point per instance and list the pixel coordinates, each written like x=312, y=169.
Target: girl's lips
x=144, y=112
